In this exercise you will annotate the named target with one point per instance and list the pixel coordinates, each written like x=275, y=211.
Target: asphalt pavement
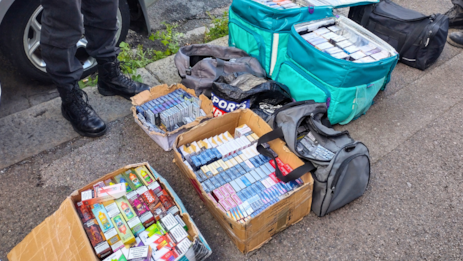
x=411, y=210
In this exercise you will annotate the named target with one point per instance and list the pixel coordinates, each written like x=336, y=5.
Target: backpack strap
x=295, y=174
x=366, y=15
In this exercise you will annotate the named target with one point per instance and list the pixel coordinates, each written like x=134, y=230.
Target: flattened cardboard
x=166, y=140
x=62, y=237
x=259, y=230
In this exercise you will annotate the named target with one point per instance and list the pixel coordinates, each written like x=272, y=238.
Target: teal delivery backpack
x=272, y=36
x=347, y=87
x=263, y=32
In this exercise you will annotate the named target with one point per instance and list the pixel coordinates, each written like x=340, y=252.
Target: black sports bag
x=419, y=39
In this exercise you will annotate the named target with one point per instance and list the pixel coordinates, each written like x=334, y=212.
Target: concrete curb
x=42, y=127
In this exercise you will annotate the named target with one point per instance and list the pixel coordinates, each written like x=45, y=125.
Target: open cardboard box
x=259, y=230
x=166, y=140
x=62, y=236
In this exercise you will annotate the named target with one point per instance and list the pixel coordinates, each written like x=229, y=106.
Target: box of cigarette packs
x=88, y=241
x=166, y=139
x=251, y=233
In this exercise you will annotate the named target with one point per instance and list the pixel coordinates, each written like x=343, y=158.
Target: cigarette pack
x=236, y=199
x=155, y=187
x=133, y=177
x=84, y=212
x=322, y=31
x=160, y=242
x=144, y=175
x=316, y=41
x=351, y=49
x=178, y=234
x=181, y=222
x=135, y=226
x=154, y=230
x=343, y=44
x=357, y=55
x=183, y=246
x=343, y=56
x=337, y=39
x=158, y=210
x=167, y=202
x=142, y=211
x=126, y=209
x=102, y=217
x=218, y=194
x=242, y=130
x=150, y=198
x=169, y=222
x=114, y=240
x=140, y=253
x=334, y=28
x=116, y=256
x=379, y=56
x=366, y=59
x=97, y=239
x=120, y=179
x=333, y=50
x=123, y=230
x=168, y=256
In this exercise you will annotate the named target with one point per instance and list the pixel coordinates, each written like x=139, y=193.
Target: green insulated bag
x=263, y=32
x=347, y=87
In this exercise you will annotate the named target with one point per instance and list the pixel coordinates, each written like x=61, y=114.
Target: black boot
x=83, y=118
x=456, y=39
x=111, y=81
x=455, y=15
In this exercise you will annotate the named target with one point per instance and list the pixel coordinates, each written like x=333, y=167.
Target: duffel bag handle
x=295, y=174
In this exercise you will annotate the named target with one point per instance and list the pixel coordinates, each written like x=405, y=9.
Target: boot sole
x=451, y=42
x=81, y=133
x=106, y=92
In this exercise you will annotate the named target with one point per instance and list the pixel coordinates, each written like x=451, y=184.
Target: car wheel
x=21, y=39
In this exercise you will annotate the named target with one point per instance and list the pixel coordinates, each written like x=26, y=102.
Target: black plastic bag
x=246, y=91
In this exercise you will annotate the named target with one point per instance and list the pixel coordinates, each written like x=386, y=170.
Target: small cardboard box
x=259, y=230
x=166, y=140
x=62, y=236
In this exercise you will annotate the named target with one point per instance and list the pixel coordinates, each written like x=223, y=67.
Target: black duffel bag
x=419, y=39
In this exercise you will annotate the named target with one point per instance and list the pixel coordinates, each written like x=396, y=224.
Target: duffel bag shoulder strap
x=295, y=174
x=412, y=38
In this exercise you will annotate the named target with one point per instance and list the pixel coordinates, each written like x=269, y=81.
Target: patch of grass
x=170, y=38
x=90, y=81
x=218, y=29
x=131, y=60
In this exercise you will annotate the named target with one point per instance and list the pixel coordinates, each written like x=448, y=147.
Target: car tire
x=12, y=35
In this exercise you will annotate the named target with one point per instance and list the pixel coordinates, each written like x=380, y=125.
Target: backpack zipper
x=402, y=20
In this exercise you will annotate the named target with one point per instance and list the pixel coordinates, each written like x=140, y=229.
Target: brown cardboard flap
x=164, y=89
x=59, y=237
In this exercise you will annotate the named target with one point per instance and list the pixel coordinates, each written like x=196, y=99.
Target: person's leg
x=455, y=14
x=61, y=29
x=100, y=20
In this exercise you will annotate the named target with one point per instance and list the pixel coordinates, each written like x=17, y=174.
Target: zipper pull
x=311, y=9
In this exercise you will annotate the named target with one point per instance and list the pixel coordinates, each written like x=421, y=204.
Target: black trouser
x=62, y=27
x=458, y=2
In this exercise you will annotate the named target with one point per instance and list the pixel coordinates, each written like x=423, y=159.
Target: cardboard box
x=166, y=140
x=61, y=236
x=259, y=230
